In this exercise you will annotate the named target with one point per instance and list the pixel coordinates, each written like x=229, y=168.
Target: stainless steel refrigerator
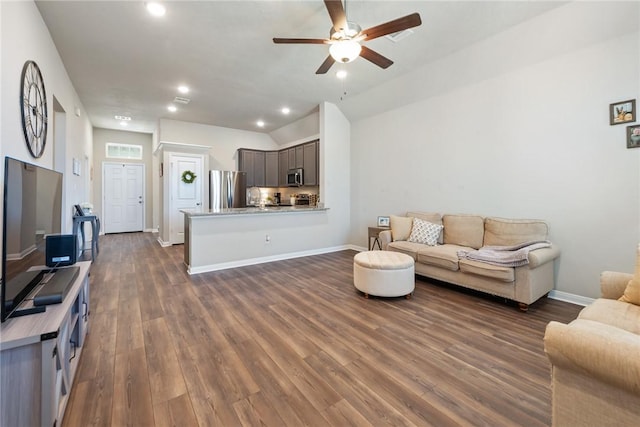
x=227, y=189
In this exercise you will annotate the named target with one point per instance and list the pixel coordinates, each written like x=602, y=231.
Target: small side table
x=78, y=225
x=374, y=233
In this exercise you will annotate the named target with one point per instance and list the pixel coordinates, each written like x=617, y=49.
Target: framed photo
x=633, y=137
x=383, y=221
x=622, y=112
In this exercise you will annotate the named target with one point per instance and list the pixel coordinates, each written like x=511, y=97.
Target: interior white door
x=184, y=195
x=123, y=206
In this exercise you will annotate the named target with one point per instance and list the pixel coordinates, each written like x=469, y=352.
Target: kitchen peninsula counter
x=233, y=237
x=251, y=210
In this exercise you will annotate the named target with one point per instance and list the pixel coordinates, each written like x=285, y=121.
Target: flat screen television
x=32, y=210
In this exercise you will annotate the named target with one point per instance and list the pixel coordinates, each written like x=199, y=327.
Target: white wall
x=301, y=130
x=224, y=142
x=532, y=142
x=24, y=36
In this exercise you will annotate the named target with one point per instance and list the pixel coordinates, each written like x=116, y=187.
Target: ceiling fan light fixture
x=345, y=50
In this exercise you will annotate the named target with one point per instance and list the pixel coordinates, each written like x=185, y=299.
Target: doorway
x=123, y=197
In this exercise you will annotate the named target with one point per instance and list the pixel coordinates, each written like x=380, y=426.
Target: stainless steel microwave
x=295, y=177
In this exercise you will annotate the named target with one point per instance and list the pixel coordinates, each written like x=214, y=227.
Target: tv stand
x=39, y=357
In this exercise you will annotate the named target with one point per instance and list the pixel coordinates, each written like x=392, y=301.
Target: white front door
x=184, y=195
x=123, y=194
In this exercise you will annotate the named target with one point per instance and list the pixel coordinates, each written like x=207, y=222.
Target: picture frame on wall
x=633, y=136
x=383, y=221
x=622, y=112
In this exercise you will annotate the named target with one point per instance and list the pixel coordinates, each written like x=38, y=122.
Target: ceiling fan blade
x=394, y=26
x=300, y=41
x=337, y=14
x=375, y=57
x=326, y=65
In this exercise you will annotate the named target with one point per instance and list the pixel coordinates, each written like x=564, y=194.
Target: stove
x=302, y=199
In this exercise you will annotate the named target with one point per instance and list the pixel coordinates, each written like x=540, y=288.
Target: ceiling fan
x=345, y=37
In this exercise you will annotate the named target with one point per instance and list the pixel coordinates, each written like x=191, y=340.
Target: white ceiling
x=122, y=61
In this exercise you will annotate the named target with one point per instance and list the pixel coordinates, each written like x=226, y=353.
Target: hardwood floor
x=292, y=343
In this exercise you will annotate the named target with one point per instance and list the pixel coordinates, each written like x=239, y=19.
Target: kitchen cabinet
x=292, y=158
x=299, y=158
x=245, y=164
x=259, y=168
x=310, y=163
x=253, y=163
x=283, y=167
x=271, y=173
x=269, y=168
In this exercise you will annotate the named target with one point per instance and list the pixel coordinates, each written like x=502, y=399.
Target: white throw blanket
x=505, y=256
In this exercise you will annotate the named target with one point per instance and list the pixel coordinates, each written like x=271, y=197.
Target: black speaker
x=61, y=250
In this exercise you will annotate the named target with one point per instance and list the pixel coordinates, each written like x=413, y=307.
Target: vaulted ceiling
x=123, y=61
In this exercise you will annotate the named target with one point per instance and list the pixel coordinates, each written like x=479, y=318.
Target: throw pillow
x=632, y=292
x=425, y=232
x=400, y=227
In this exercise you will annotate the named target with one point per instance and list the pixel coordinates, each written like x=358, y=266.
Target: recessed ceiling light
x=172, y=108
x=285, y=110
x=260, y=123
x=156, y=9
x=341, y=74
x=183, y=89
x=123, y=123
x=126, y=118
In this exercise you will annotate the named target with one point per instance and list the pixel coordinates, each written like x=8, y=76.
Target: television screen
x=32, y=210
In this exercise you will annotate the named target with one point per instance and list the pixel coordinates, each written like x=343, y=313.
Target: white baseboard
x=262, y=260
x=150, y=230
x=163, y=243
x=572, y=298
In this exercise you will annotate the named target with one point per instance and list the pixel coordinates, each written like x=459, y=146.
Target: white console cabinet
x=39, y=356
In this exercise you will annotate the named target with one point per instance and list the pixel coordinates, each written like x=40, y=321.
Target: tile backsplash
x=285, y=193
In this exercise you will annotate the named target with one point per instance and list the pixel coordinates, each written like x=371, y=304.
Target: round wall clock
x=33, y=106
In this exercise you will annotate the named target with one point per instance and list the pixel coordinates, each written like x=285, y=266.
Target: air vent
x=396, y=37
x=181, y=100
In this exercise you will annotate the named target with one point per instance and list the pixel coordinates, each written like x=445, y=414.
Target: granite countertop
x=252, y=210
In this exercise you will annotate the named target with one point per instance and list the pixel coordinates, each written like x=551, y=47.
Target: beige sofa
x=524, y=284
x=595, y=360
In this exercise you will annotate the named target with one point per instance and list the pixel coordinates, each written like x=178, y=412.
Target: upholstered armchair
x=595, y=373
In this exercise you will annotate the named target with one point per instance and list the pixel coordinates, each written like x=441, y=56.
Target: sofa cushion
x=632, y=291
x=424, y=232
x=614, y=313
x=445, y=256
x=405, y=247
x=504, y=274
x=507, y=232
x=463, y=230
x=432, y=217
x=400, y=227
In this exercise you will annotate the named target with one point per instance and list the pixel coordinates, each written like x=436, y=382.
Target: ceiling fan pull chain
x=344, y=85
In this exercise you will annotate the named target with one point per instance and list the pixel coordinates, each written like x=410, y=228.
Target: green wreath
x=188, y=177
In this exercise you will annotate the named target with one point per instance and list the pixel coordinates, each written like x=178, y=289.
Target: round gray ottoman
x=384, y=274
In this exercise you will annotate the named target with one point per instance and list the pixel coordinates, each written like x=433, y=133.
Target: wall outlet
x=267, y=239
